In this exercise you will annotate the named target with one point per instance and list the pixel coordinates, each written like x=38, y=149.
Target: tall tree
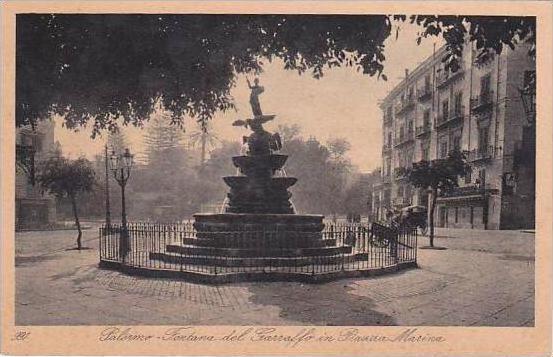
x=68, y=178
x=439, y=176
x=206, y=139
x=162, y=135
x=113, y=68
x=321, y=176
x=117, y=142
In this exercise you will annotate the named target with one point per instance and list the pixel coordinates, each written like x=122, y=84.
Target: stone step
x=257, y=236
x=229, y=242
x=257, y=252
x=174, y=258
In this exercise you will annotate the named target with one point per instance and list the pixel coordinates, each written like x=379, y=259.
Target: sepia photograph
x=188, y=169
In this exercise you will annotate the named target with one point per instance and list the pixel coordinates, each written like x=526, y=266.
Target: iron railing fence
x=179, y=247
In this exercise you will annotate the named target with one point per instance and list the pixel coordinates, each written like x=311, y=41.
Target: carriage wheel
x=378, y=243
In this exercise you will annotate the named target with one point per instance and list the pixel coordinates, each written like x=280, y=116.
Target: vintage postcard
x=276, y=177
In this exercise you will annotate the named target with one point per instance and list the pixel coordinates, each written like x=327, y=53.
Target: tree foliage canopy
x=441, y=174
x=66, y=178
x=104, y=68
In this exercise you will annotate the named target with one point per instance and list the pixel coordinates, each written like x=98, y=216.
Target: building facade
x=477, y=109
x=33, y=208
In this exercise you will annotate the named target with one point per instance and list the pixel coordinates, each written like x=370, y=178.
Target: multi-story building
x=477, y=109
x=33, y=208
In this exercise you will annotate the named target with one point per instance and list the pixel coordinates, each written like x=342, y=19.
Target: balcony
x=405, y=105
x=482, y=103
x=422, y=130
x=400, y=173
x=480, y=154
x=468, y=193
x=406, y=139
x=425, y=94
x=401, y=202
x=384, y=181
x=456, y=115
x=446, y=77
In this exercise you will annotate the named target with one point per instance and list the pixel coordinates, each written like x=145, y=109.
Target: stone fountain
x=259, y=230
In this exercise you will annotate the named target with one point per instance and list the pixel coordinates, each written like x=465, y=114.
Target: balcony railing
x=482, y=102
x=423, y=129
x=400, y=173
x=425, y=94
x=446, y=77
x=405, y=105
x=451, y=117
x=472, y=190
x=401, y=201
x=483, y=153
x=401, y=140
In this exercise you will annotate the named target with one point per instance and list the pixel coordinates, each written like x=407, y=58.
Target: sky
x=344, y=103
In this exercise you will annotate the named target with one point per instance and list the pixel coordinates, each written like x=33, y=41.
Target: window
x=443, y=149
x=457, y=143
x=456, y=214
x=427, y=83
x=388, y=166
x=459, y=103
x=482, y=178
x=426, y=117
x=483, y=140
x=485, y=84
x=445, y=108
x=424, y=152
x=468, y=178
x=401, y=133
x=389, y=112
x=410, y=130
x=389, y=138
x=387, y=197
x=400, y=191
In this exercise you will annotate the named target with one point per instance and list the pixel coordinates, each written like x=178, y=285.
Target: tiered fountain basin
x=251, y=165
x=260, y=241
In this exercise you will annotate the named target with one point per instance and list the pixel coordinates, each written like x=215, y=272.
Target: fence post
x=100, y=243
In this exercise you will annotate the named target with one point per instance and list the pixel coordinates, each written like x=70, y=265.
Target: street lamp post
x=121, y=165
x=108, y=210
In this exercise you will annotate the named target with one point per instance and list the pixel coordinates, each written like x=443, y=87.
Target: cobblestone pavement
x=483, y=278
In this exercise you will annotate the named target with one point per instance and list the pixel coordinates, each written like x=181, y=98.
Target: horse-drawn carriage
x=413, y=217
x=408, y=217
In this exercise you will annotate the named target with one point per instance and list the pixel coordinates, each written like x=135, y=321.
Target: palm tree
x=205, y=137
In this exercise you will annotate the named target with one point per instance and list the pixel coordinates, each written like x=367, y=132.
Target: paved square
x=484, y=278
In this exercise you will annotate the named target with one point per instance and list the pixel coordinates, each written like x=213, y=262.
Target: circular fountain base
x=213, y=222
